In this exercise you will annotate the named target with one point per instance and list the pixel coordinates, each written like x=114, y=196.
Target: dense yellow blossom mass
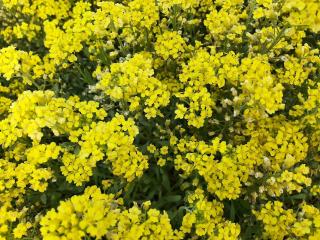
x=160, y=119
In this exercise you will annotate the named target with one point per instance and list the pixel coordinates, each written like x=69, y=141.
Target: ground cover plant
x=160, y=119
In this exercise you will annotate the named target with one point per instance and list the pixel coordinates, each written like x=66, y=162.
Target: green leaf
x=301, y=196
x=167, y=200
x=232, y=211
x=43, y=198
x=165, y=180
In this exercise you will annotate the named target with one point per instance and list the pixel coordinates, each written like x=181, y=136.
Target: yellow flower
x=21, y=229
x=170, y=44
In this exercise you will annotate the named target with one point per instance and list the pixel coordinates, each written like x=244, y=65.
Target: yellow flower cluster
x=259, y=85
x=29, y=172
x=19, y=64
x=8, y=215
x=168, y=6
x=170, y=44
x=21, y=229
x=276, y=220
x=315, y=190
x=167, y=119
x=297, y=69
x=41, y=110
x=36, y=110
x=224, y=22
x=248, y=157
x=288, y=146
x=280, y=223
x=303, y=13
x=308, y=112
x=133, y=81
x=221, y=175
x=20, y=31
x=5, y=104
x=203, y=69
x=143, y=13
x=113, y=139
x=41, y=9
x=100, y=215
x=206, y=219
x=289, y=181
